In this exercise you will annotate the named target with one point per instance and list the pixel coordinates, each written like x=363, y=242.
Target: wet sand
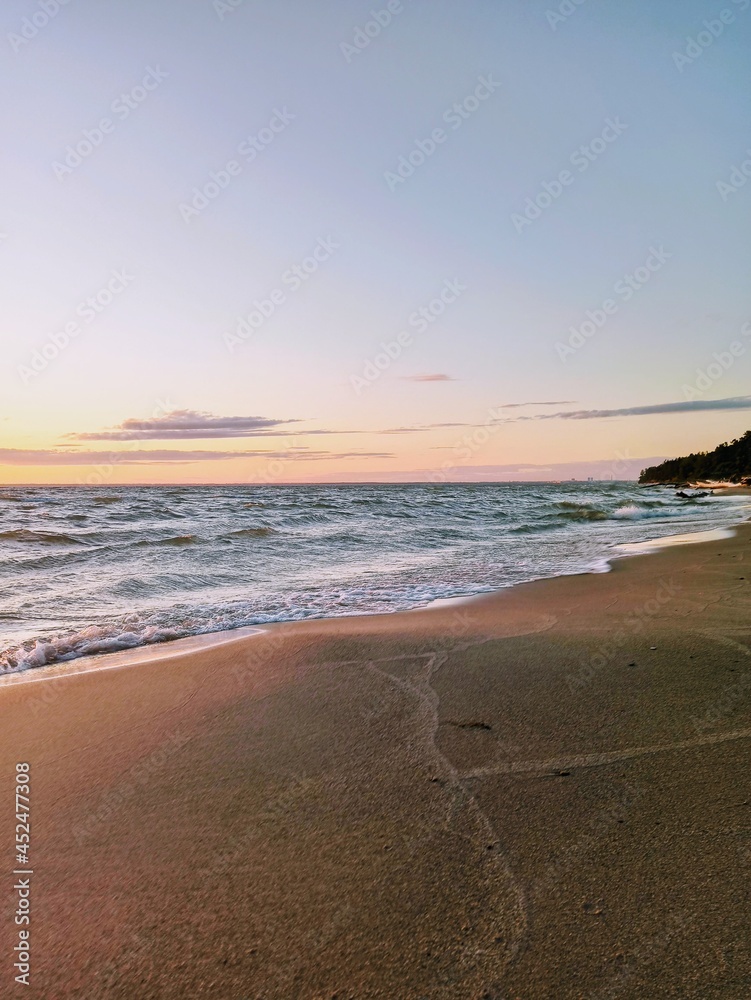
x=543, y=793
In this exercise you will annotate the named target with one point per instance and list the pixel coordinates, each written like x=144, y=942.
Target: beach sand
x=511, y=797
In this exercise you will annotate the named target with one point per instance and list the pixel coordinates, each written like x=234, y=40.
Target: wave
x=63, y=558
x=583, y=514
x=630, y=512
x=637, y=512
x=251, y=533
x=175, y=540
x=627, y=512
x=532, y=529
x=92, y=641
x=45, y=537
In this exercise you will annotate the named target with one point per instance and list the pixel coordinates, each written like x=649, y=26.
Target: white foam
x=128, y=657
x=669, y=541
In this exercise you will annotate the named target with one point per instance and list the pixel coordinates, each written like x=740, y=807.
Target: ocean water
x=86, y=571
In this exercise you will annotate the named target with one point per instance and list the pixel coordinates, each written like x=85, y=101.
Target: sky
x=271, y=240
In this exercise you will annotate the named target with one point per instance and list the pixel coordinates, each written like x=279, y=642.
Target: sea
x=86, y=571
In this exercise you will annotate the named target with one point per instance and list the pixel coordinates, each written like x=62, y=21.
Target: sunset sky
x=468, y=184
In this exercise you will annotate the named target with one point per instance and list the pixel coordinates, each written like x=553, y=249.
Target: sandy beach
x=375, y=501
x=537, y=794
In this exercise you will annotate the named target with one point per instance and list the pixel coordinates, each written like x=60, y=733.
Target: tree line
x=729, y=462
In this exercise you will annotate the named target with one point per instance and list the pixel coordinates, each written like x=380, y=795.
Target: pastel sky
x=526, y=202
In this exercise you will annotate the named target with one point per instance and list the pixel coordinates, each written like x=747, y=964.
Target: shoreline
x=208, y=640
x=540, y=793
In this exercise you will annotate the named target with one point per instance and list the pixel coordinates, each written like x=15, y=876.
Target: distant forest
x=729, y=462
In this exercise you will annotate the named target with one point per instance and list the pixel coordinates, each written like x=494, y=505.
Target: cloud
x=657, y=409
x=192, y=425
x=54, y=456
x=188, y=425
x=428, y=378
x=554, y=402
x=420, y=428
